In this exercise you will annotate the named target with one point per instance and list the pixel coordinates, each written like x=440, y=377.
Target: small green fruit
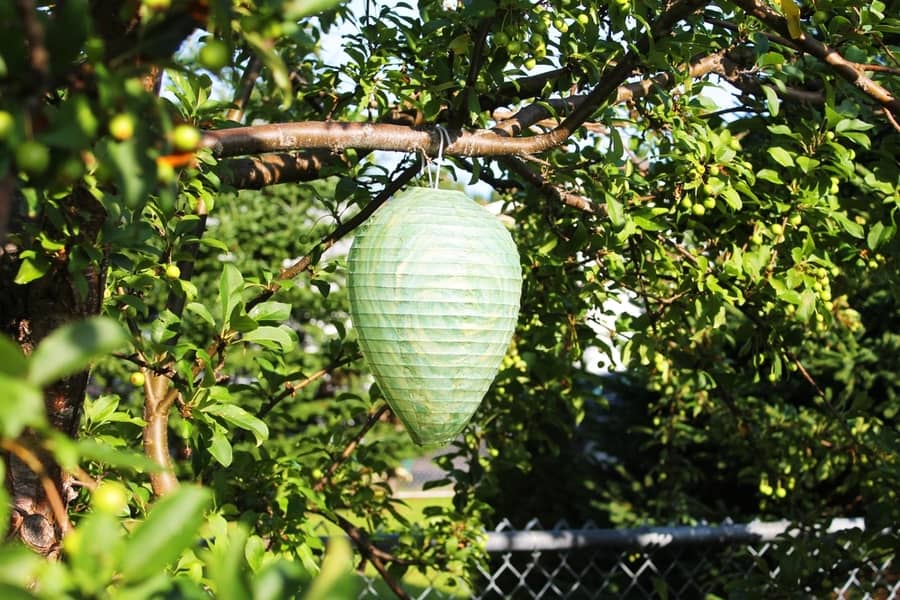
x=72, y=542
x=583, y=19
x=157, y=5
x=121, y=127
x=795, y=219
x=709, y=203
x=715, y=170
x=686, y=203
x=530, y=64
x=33, y=157
x=110, y=497
x=137, y=379
x=756, y=239
x=776, y=228
x=501, y=39
x=165, y=173
x=214, y=55
x=699, y=210
x=172, y=271
x=185, y=138
x=7, y=124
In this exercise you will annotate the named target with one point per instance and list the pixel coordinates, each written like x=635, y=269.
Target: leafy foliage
x=716, y=219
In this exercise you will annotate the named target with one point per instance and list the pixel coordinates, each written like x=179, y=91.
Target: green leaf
x=22, y=405
x=807, y=305
x=852, y=125
x=336, y=580
x=91, y=449
x=732, y=198
x=72, y=347
x=201, y=311
x=11, y=592
x=12, y=361
x=781, y=156
x=770, y=175
x=807, y=164
x=32, y=267
x=265, y=335
x=170, y=527
x=772, y=101
x=851, y=227
x=615, y=210
x=271, y=311
x=220, y=446
x=227, y=565
x=231, y=286
x=241, y=418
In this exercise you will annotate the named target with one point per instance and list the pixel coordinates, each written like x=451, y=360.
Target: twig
x=878, y=68
x=34, y=463
x=292, y=388
x=245, y=89
x=560, y=195
x=339, y=232
x=38, y=57
x=348, y=450
x=890, y=117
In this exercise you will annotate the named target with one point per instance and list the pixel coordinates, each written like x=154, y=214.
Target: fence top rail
x=649, y=537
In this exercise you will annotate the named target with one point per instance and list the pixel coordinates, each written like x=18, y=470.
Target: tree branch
x=158, y=401
x=560, y=195
x=348, y=450
x=388, y=137
x=30, y=460
x=355, y=221
x=846, y=69
x=371, y=553
x=292, y=388
x=245, y=89
x=253, y=173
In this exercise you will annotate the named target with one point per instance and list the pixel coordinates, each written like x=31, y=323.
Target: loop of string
x=434, y=179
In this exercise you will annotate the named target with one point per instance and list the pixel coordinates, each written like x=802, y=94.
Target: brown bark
x=27, y=314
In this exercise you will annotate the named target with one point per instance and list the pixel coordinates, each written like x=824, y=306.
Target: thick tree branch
x=535, y=113
x=31, y=460
x=370, y=136
x=846, y=69
x=255, y=172
x=158, y=400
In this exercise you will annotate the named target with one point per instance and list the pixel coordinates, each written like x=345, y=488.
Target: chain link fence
x=664, y=563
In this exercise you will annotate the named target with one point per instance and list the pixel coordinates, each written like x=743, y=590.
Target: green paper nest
x=434, y=289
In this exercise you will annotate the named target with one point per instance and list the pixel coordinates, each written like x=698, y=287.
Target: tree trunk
x=27, y=314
